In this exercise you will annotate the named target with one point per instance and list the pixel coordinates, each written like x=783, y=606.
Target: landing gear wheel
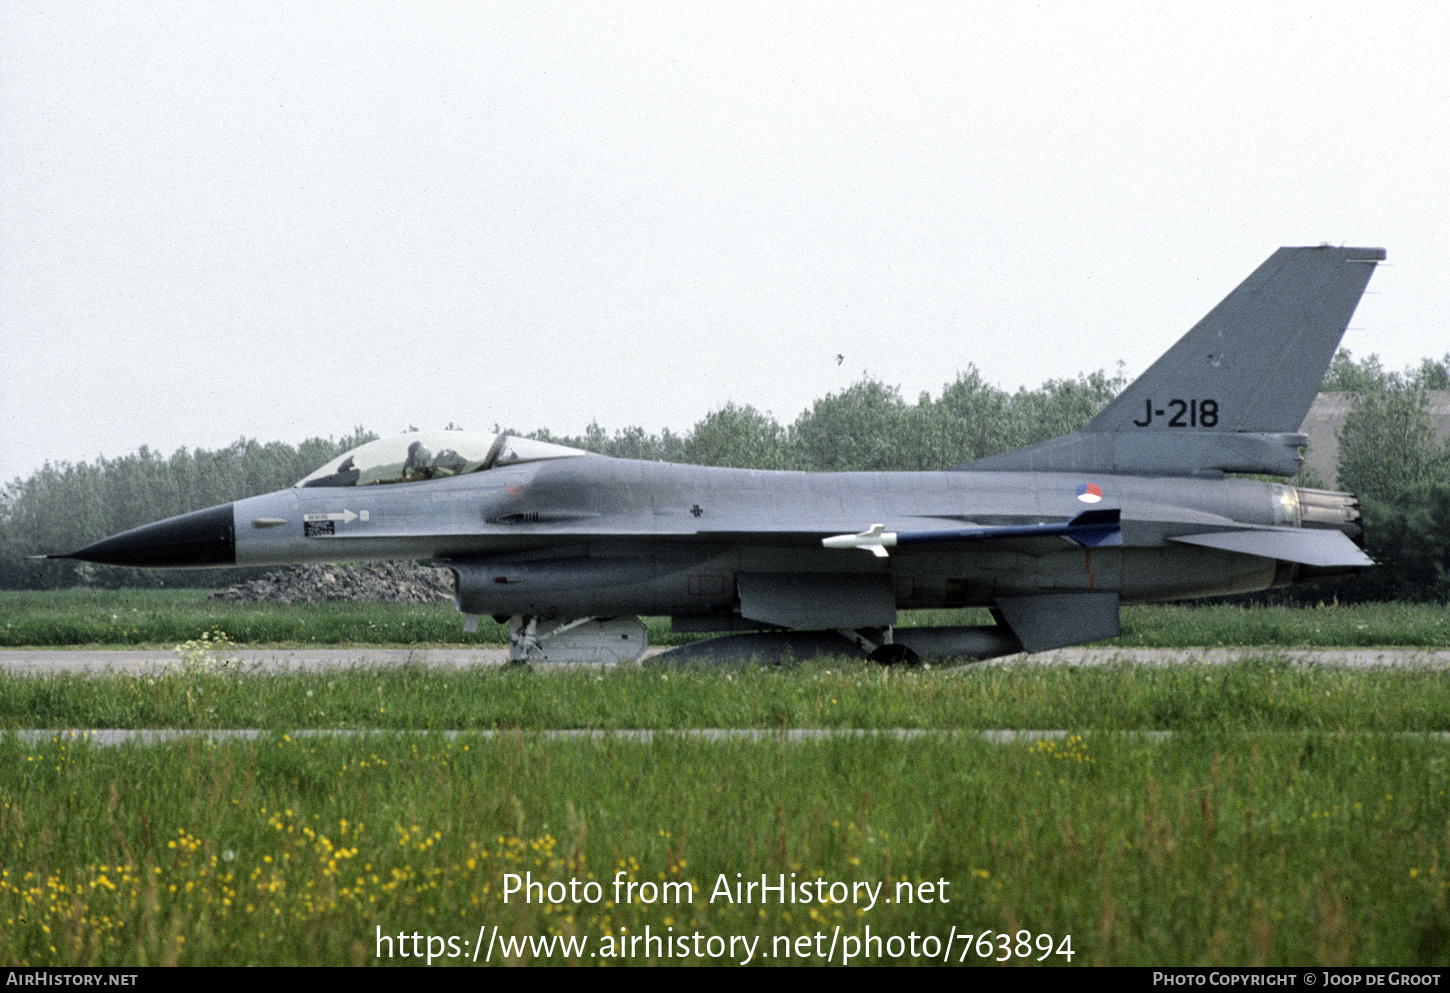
x=894, y=655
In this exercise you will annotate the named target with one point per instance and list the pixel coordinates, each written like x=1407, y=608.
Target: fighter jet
x=1146, y=503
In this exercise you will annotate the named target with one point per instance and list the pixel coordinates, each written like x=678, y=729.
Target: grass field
x=1280, y=849
x=1290, y=815
x=1258, y=694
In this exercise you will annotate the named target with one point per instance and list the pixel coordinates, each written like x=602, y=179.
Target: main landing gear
x=881, y=647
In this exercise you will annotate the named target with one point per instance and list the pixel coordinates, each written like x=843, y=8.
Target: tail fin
x=1231, y=395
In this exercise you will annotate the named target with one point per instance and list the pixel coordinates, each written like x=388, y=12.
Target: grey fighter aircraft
x=1140, y=505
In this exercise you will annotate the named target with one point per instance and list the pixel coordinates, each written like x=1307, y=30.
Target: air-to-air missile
x=1145, y=503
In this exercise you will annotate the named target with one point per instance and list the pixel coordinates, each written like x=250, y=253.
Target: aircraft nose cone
x=205, y=537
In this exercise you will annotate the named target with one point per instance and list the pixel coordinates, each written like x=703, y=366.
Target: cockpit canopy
x=411, y=458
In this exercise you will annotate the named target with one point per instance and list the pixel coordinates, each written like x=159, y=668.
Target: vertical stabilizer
x=1259, y=356
x=1232, y=394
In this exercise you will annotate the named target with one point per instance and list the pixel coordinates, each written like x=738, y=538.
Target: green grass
x=120, y=618
x=1258, y=694
x=1284, y=849
x=1405, y=625
x=1297, y=814
x=151, y=618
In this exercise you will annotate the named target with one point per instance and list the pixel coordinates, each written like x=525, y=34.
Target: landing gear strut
x=881, y=647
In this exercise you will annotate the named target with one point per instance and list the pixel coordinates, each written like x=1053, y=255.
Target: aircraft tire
x=895, y=655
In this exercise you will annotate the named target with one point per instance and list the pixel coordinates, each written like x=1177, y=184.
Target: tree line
x=66, y=506
x=1390, y=458
x=1388, y=455
x=870, y=427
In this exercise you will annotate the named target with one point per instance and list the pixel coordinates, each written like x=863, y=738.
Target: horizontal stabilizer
x=1306, y=546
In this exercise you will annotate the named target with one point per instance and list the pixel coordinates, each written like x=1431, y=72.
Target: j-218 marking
x=1198, y=413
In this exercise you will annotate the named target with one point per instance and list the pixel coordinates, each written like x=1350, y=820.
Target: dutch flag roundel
x=1089, y=492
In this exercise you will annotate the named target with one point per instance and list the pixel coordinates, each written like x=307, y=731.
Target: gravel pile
x=376, y=582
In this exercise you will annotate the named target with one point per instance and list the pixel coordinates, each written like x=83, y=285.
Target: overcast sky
x=284, y=220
